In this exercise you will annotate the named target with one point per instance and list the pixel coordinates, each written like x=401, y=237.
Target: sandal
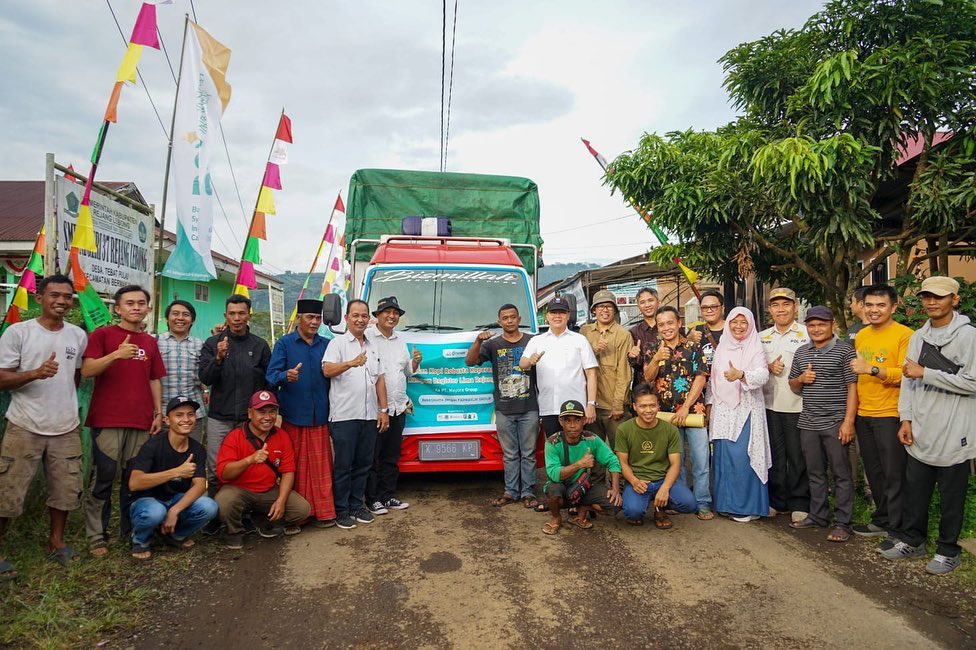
x=662, y=520
x=503, y=500
x=182, y=544
x=98, y=548
x=140, y=552
x=530, y=502
x=65, y=556
x=635, y=522
x=705, y=514
x=805, y=523
x=542, y=507
x=8, y=571
x=550, y=528
x=581, y=522
x=838, y=534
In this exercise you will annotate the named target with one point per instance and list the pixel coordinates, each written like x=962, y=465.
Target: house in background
x=22, y=215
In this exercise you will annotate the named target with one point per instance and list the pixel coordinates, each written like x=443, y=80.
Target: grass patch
x=53, y=607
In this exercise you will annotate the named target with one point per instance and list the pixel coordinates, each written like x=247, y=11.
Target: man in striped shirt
x=821, y=373
x=181, y=357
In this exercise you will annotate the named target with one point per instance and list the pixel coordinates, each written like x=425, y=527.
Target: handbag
x=579, y=487
x=932, y=357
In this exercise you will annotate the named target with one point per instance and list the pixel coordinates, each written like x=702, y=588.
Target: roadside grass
x=54, y=607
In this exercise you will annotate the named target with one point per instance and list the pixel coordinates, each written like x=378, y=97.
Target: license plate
x=450, y=450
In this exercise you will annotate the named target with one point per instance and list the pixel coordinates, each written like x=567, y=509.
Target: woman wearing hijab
x=738, y=420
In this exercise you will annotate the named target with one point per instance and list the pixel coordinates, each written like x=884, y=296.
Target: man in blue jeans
x=649, y=451
x=167, y=480
x=358, y=412
x=516, y=404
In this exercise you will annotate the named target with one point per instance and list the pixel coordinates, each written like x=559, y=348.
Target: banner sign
x=447, y=395
x=125, y=252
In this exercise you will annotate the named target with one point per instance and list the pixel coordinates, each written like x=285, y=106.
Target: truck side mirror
x=331, y=309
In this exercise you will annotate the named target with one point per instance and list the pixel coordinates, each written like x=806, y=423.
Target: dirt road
x=454, y=572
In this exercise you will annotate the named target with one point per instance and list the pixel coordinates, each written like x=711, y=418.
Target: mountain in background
x=293, y=283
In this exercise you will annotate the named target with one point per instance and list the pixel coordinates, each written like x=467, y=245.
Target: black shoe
x=248, y=526
x=270, y=531
x=212, y=528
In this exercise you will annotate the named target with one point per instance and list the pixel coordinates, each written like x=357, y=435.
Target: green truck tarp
x=478, y=205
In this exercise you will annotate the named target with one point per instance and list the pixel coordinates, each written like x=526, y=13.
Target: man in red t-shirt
x=126, y=405
x=256, y=468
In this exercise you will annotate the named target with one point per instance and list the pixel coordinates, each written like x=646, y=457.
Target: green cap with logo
x=572, y=407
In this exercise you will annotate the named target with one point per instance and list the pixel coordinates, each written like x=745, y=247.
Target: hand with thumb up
x=47, y=369
x=126, y=349
x=260, y=455
x=733, y=373
x=777, y=366
x=292, y=375
x=808, y=376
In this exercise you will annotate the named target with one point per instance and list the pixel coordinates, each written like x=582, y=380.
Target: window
x=201, y=293
x=880, y=274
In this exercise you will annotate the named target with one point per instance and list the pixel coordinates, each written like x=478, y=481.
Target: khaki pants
x=112, y=449
x=234, y=502
x=21, y=454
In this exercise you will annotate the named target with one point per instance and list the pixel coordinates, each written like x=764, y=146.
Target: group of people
x=306, y=434
x=745, y=423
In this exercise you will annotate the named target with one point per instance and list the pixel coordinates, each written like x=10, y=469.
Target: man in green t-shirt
x=649, y=451
x=569, y=454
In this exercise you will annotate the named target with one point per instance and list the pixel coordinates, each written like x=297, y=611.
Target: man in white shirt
x=396, y=363
x=358, y=412
x=565, y=367
x=789, y=488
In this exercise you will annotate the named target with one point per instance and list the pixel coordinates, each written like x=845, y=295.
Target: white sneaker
x=395, y=504
x=798, y=516
x=745, y=518
x=377, y=508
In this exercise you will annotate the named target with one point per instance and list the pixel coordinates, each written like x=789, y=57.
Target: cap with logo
x=558, y=304
x=820, y=312
x=572, y=407
x=603, y=296
x=179, y=401
x=782, y=292
x=387, y=303
x=262, y=398
x=939, y=285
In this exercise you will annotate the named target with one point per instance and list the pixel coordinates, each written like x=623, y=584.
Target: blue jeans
x=636, y=505
x=696, y=441
x=353, y=443
x=518, y=435
x=148, y=514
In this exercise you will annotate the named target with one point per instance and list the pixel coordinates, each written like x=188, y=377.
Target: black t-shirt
x=157, y=455
x=515, y=389
x=708, y=351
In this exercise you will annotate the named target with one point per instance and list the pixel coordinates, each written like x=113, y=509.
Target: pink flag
x=329, y=234
x=144, y=32
x=272, y=176
x=246, y=276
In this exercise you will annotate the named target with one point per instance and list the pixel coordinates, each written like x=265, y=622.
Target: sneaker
x=364, y=517
x=900, y=551
x=395, y=504
x=345, y=522
x=745, y=518
x=212, y=528
x=869, y=530
x=885, y=544
x=248, y=525
x=798, y=516
x=270, y=532
x=323, y=523
x=234, y=542
x=943, y=564
x=376, y=508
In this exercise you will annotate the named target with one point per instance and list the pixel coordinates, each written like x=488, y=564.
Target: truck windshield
x=451, y=299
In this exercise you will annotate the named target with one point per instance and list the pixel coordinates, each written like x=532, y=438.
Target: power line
x=193, y=10
x=443, y=60
x=588, y=225
x=450, y=88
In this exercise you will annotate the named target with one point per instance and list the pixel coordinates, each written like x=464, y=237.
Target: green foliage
x=790, y=190
x=911, y=312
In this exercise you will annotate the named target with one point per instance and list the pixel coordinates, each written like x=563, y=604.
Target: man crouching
x=570, y=457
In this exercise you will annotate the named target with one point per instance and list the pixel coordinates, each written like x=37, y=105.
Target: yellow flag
x=266, y=201
x=241, y=290
x=20, y=298
x=84, y=237
x=127, y=71
x=691, y=276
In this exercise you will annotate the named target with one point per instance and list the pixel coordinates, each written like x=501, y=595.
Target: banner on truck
x=447, y=395
x=125, y=253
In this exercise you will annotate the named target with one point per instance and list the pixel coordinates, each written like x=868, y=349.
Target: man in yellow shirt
x=881, y=349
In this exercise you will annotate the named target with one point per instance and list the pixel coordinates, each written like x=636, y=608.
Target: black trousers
x=789, y=487
x=884, y=460
x=920, y=480
x=550, y=424
x=382, y=482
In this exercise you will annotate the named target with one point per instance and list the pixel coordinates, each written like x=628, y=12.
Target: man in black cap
x=167, y=483
x=396, y=364
x=303, y=395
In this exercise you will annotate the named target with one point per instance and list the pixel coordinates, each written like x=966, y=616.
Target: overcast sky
x=361, y=82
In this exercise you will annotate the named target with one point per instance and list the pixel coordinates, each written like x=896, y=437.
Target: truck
x=452, y=248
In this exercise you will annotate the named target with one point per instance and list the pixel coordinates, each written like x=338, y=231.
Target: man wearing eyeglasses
x=713, y=313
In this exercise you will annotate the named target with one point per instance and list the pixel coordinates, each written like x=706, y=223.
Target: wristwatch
x=875, y=370
x=384, y=410
x=592, y=402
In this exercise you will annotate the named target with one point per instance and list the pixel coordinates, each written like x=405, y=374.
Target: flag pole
x=311, y=270
x=256, y=201
x=157, y=277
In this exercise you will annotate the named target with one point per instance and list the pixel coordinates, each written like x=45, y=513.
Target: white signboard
x=125, y=253
x=276, y=301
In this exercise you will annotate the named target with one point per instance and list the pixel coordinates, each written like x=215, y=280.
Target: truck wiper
x=427, y=327
x=487, y=326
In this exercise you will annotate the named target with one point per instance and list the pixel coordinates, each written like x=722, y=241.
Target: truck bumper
x=490, y=461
